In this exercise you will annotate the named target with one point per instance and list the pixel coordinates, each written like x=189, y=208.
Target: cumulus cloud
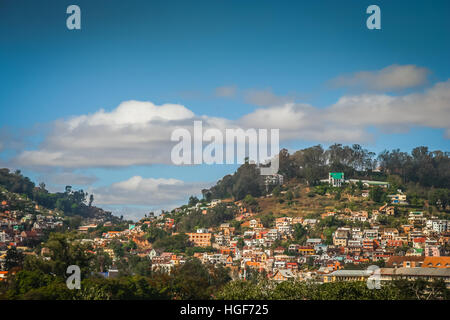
x=391, y=78
x=139, y=191
x=348, y=119
x=429, y=109
x=304, y=122
x=135, y=133
x=138, y=133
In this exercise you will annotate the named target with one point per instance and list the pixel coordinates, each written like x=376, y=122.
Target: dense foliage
x=296, y=290
x=423, y=167
x=71, y=202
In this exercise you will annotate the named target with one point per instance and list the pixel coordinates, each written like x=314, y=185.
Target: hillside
x=24, y=196
x=423, y=176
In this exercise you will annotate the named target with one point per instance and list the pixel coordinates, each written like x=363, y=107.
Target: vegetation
x=71, y=202
x=296, y=290
x=422, y=167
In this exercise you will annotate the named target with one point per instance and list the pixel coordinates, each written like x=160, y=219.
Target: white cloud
x=139, y=191
x=394, y=77
x=429, y=109
x=348, y=119
x=138, y=133
x=303, y=122
x=135, y=133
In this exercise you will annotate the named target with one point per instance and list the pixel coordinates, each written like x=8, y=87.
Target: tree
x=91, y=199
x=240, y=243
x=289, y=195
x=192, y=281
x=276, y=191
x=246, y=181
x=102, y=261
x=299, y=232
x=154, y=233
x=267, y=220
x=13, y=259
x=207, y=195
x=192, y=201
x=440, y=198
x=177, y=242
x=65, y=251
x=377, y=194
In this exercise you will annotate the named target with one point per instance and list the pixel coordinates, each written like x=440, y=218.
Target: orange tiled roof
x=436, y=262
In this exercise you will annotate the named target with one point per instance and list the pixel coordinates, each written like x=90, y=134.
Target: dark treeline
x=36, y=277
x=196, y=219
x=421, y=166
x=246, y=180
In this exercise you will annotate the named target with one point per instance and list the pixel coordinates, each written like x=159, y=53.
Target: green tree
x=13, y=259
x=377, y=195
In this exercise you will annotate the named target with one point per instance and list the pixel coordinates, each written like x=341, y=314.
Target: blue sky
x=265, y=53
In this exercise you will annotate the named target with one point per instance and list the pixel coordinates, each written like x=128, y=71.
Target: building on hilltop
x=336, y=179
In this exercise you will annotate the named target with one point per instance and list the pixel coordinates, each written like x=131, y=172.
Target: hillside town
x=281, y=248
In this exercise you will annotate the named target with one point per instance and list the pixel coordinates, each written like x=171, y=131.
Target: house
x=395, y=243
x=313, y=241
x=371, y=233
x=309, y=222
x=3, y=275
x=438, y=226
x=347, y=275
x=200, y=239
x=29, y=235
x=85, y=229
x=297, y=220
x=340, y=237
x=111, y=234
x=419, y=243
x=398, y=198
x=436, y=262
x=369, y=244
x=370, y=183
x=390, y=233
x=404, y=262
x=215, y=202
x=255, y=223
x=152, y=253
x=412, y=274
x=279, y=250
x=273, y=234
x=283, y=221
x=432, y=251
x=336, y=179
x=283, y=275
x=273, y=179
x=305, y=250
x=416, y=217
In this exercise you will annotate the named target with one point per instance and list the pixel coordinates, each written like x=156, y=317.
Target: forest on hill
x=71, y=202
x=419, y=169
